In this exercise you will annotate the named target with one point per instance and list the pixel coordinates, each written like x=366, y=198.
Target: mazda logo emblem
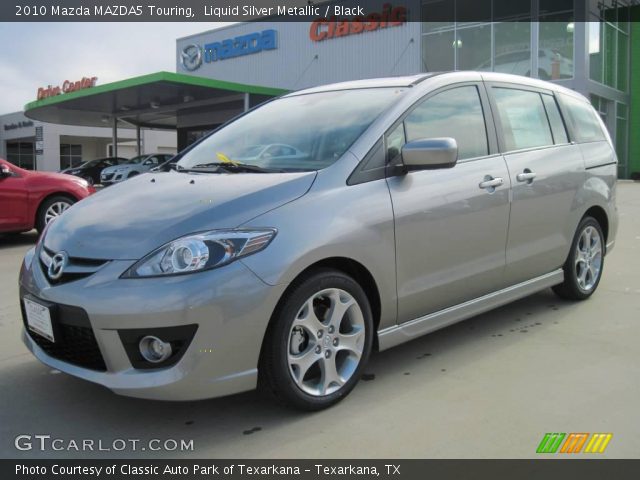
x=58, y=263
x=191, y=57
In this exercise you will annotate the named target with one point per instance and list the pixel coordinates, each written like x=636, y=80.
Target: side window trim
x=562, y=119
x=568, y=123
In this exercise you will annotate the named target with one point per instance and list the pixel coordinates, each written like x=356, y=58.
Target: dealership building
x=36, y=145
x=223, y=72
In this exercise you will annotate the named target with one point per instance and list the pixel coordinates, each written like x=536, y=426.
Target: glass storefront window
x=438, y=51
x=21, y=154
x=609, y=54
x=434, y=12
x=511, y=9
x=547, y=7
x=595, y=51
x=555, y=50
x=622, y=80
x=512, y=42
x=622, y=138
x=473, y=47
x=70, y=155
x=609, y=48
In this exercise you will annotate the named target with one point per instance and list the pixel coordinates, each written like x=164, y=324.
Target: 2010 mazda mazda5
x=300, y=236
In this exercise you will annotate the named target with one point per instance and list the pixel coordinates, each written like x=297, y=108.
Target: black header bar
x=306, y=11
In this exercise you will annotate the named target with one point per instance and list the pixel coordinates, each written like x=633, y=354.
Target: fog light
x=154, y=350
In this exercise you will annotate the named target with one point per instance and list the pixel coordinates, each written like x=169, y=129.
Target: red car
x=32, y=199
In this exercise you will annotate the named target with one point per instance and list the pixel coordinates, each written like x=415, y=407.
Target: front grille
x=75, y=342
x=107, y=176
x=76, y=269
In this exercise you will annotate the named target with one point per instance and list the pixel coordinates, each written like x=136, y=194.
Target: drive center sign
x=67, y=86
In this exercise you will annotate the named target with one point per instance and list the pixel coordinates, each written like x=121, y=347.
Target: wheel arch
x=348, y=266
x=601, y=217
x=42, y=201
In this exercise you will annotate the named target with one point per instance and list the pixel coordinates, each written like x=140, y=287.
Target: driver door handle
x=491, y=183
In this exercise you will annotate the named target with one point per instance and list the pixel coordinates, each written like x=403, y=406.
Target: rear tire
x=50, y=209
x=318, y=342
x=584, y=265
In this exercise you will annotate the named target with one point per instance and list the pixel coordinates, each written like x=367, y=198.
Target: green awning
x=150, y=101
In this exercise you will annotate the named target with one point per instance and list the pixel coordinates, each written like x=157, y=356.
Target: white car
x=280, y=151
x=135, y=166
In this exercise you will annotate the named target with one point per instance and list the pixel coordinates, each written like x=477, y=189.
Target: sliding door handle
x=526, y=176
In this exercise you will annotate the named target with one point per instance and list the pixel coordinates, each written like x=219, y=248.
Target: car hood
x=113, y=168
x=60, y=179
x=129, y=220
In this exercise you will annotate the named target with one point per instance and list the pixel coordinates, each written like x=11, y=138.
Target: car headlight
x=201, y=251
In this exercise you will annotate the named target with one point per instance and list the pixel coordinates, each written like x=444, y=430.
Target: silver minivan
x=413, y=203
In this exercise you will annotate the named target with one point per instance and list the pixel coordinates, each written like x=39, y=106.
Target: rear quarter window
x=583, y=119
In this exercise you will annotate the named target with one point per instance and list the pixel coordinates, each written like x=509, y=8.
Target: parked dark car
x=90, y=170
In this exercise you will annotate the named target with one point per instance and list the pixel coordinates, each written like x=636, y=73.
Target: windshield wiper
x=230, y=168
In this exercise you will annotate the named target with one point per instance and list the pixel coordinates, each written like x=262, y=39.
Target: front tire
x=318, y=342
x=88, y=179
x=583, y=268
x=50, y=209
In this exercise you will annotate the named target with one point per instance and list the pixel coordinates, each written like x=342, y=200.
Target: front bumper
x=231, y=307
x=112, y=178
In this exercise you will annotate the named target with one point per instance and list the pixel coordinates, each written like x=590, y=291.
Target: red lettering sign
x=67, y=86
x=333, y=27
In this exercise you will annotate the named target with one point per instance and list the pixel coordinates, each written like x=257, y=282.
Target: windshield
x=251, y=151
x=303, y=132
x=137, y=159
x=90, y=163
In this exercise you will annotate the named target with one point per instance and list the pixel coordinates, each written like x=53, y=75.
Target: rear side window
x=586, y=126
x=555, y=119
x=455, y=113
x=523, y=118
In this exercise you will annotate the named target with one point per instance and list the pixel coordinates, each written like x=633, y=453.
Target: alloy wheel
x=55, y=210
x=588, y=258
x=326, y=342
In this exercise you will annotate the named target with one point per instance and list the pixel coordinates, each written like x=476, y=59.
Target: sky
x=34, y=55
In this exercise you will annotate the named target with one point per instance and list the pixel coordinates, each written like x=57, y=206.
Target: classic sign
x=334, y=27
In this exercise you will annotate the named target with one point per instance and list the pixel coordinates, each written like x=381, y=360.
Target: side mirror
x=5, y=171
x=430, y=153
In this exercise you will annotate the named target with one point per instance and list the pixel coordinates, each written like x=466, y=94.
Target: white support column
x=246, y=102
x=114, y=138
